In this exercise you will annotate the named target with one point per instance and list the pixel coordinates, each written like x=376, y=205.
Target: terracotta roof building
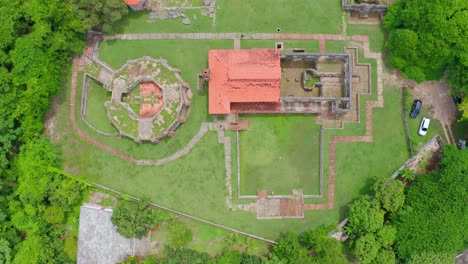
x=135, y=4
x=243, y=77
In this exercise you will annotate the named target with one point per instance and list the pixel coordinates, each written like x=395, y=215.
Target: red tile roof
x=243, y=76
x=132, y=2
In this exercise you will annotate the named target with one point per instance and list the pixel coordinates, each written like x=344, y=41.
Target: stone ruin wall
x=334, y=101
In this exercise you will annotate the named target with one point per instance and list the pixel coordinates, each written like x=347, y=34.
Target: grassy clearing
x=357, y=163
x=280, y=153
x=211, y=240
x=374, y=31
x=96, y=112
x=291, y=16
x=435, y=128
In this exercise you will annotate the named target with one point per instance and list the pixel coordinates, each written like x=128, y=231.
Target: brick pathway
x=279, y=36
x=367, y=138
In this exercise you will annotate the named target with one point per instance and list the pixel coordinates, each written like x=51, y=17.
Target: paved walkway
x=187, y=148
x=279, y=36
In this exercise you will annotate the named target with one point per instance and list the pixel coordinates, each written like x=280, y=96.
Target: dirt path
x=435, y=96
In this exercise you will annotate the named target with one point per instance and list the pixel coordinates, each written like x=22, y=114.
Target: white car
x=424, y=126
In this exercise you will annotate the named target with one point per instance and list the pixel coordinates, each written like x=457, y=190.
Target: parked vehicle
x=415, y=109
x=424, y=126
x=457, y=99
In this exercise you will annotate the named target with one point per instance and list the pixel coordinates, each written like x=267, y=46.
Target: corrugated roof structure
x=243, y=76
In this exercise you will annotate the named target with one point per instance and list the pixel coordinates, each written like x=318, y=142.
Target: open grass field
x=291, y=16
x=435, y=128
x=280, y=153
x=358, y=163
x=212, y=240
x=309, y=45
x=96, y=112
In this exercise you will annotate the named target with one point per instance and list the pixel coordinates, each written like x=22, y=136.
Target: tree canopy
x=365, y=216
x=134, y=219
x=434, y=218
x=37, y=41
x=428, y=38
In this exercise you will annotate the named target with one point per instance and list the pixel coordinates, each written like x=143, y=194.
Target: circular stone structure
x=149, y=100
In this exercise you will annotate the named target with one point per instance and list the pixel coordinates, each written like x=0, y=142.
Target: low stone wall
x=336, y=102
x=364, y=9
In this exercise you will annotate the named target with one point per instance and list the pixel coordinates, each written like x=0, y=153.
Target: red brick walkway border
x=78, y=63
x=367, y=138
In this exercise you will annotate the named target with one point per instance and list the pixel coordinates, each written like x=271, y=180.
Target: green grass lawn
x=357, y=163
x=280, y=153
x=309, y=45
x=195, y=184
x=374, y=31
x=96, y=112
x=211, y=240
x=291, y=16
x=435, y=128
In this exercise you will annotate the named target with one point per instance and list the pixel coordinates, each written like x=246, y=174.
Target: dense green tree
x=250, y=259
x=325, y=248
x=54, y=215
x=229, y=257
x=384, y=256
x=33, y=174
x=99, y=15
x=134, y=219
x=426, y=38
x=390, y=193
x=5, y=251
x=434, y=218
x=364, y=216
x=366, y=248
x=37, y=41
x=41, y=249
x=179, y=235
x=433, y=258
x=183, y=255
x=386, y=236
x=464, y=107
x=289, y=250
x=408, y=174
